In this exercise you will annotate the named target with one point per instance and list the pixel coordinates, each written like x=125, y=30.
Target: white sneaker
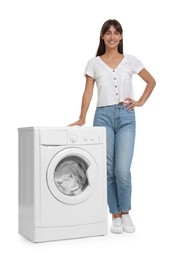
x=128, y=225
x=117, y=226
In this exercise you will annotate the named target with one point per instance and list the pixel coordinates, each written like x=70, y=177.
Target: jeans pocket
x=129, y=110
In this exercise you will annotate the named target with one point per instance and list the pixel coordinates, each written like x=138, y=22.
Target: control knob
x=73, y=139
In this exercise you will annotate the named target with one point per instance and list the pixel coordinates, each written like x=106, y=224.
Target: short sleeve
x=89, y=70
x=137, y=65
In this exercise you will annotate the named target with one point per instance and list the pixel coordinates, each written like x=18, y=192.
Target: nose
x=112, y=37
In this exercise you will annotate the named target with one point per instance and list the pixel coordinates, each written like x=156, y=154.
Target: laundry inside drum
x=70, y=175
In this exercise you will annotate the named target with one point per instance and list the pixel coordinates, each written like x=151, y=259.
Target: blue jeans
x=120, y=128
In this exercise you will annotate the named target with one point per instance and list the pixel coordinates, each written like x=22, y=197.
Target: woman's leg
x=104, y=117
x=124, y=148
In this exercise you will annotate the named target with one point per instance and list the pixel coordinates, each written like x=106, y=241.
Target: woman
x=113, y=71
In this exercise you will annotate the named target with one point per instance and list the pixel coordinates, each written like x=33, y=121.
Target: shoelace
x=117, y=222
x=127, y=220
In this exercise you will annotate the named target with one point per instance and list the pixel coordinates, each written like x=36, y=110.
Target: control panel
x=84, y=136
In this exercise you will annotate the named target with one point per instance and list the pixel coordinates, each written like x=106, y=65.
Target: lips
x=112, y=42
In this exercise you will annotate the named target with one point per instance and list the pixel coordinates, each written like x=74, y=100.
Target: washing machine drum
x=72, y=175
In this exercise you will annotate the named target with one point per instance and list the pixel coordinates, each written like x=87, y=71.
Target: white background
x=44, y=48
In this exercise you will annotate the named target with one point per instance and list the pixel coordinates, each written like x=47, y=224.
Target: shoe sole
x=128, y=231
x=116, y=232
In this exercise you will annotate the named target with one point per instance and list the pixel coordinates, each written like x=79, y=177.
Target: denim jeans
x=120, y=128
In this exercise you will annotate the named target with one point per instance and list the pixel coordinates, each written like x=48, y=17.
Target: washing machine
x=62, y=182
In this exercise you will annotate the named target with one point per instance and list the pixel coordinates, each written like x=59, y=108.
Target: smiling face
x=112, y=38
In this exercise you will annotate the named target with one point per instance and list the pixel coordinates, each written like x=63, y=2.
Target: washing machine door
x=72, y=175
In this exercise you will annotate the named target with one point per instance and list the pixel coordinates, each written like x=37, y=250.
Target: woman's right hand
x=79, y=122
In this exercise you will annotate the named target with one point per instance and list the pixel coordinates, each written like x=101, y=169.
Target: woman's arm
x=147, y=77
x=87, y=96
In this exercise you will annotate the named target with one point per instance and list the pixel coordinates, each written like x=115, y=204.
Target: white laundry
x=70, y=177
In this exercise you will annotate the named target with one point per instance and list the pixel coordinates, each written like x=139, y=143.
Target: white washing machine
x=62, y=182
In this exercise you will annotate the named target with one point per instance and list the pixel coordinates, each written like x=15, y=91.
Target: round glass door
x=72, y=175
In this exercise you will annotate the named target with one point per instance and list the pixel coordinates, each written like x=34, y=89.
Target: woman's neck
x=110, y=54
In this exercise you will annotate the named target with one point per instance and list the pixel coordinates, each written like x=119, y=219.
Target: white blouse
x=113, y=84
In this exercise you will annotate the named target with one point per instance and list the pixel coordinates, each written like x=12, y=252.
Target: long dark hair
x=106, y=26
